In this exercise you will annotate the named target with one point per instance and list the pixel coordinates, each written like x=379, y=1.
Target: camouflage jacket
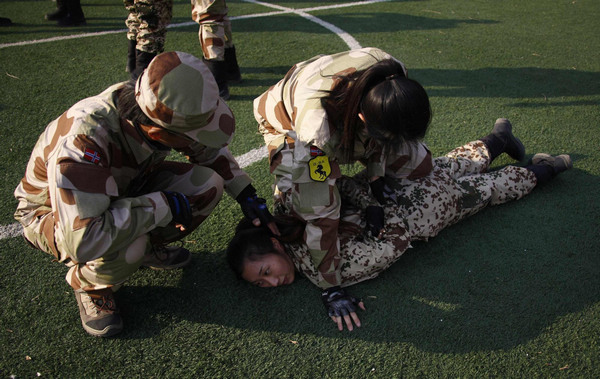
x=88, y=167
x=459, y=186
x=304, y=150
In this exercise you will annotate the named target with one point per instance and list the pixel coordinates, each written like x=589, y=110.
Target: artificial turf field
x=511, y=292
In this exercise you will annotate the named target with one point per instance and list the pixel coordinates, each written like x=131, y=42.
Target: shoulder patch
x=91, y=155
x=319, y=168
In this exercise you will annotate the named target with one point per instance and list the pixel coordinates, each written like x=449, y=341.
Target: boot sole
x=109, y=331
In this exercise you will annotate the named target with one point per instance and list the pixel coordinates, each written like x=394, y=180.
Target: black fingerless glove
x=254, y=207
x=377, y=189
x=180, y=207
x=338, y=303
x=375, y=219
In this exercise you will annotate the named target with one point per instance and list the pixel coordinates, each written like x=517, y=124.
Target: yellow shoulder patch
x=319, y=168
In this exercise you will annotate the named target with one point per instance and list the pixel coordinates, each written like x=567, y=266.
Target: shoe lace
x=104, y=303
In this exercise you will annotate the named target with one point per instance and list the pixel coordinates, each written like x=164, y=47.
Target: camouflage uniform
x=418, y=209
x=304, y=151
x=214, y=32
x=90, y=195
x=147, y=23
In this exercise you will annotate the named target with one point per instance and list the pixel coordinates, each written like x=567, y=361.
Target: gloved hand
x=377, y=189
x=341, y=306
x=254, y=207
x=180, y=207
x=338, y=303
x=375, y=220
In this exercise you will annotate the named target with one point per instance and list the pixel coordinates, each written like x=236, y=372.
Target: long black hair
x=251, y=242
x=396, y=109
x=128, y=106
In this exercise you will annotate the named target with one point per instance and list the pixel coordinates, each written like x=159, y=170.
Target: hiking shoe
x=512, y=145
x=99, y=313
x=163, y=257
x=559, y=163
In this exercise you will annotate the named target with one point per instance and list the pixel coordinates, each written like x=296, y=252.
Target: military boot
x=164, y=257
x=545, y=166
x=502, y=140
x=99, y=313
x=60, y=12
x=219, y=71
x=131, y=55
x=232, y=68
x=142, y=60
x=74, y=15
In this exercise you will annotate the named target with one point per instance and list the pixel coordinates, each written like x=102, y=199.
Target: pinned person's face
x=270, y=270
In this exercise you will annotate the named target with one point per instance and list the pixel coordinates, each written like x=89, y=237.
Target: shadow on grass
x=493, y=281
x=519, y=82
x=493, y=82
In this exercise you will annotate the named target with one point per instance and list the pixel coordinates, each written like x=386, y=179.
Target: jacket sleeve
x=223, y=163
x=319, y=205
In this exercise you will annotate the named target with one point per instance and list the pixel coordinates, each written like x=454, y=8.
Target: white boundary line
x=255, y=155
x=281, y=10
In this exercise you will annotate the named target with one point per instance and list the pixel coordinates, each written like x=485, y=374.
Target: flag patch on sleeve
x=316, y=152
x=91, y=155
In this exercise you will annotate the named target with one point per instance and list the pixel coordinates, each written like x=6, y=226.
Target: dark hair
x=396, y=108
x=251, y=242
x=129, y=108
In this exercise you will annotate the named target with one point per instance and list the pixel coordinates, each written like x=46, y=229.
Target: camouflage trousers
x=147, y=23
x=214, y=32
x=202, y=186
x=459, y=186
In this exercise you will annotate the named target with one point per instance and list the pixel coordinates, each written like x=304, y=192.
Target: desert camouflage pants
x=202, y=186
x=458, y=187
x=147, y=23
x=214, y=32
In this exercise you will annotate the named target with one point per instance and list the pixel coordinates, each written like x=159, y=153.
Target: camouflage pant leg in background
x=214, y=32
x=201, y=185
x=457, y=188
x=147, y=23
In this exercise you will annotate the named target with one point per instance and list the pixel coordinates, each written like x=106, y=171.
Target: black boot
x=75, y=15
x=142, y=60
x=502, y=140
x=233, y=69
x=545, y=166
x=219, y=71
x=5, y=21
x=131, y=55
x=60, y=12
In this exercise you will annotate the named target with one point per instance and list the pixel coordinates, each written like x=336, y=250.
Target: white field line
x=281, y=10
x=252, y=156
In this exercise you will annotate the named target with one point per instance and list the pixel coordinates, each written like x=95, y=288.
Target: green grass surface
x=511, y=292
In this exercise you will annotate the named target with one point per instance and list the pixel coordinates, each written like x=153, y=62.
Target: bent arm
x=90, y=219
x=319, y=205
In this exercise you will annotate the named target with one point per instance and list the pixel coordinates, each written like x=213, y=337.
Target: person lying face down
x=459, y=185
